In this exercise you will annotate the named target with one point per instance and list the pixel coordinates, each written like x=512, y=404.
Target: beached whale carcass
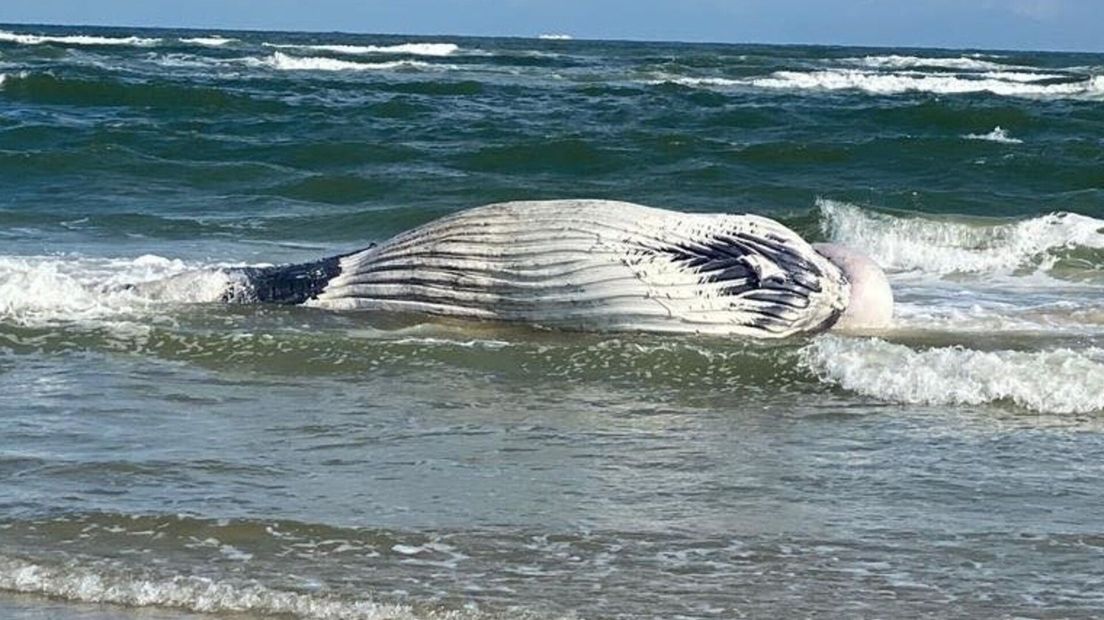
x=594, y=265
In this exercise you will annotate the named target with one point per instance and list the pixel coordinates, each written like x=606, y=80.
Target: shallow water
x=167, y=459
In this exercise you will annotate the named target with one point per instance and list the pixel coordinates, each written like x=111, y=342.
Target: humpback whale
x=593, y=265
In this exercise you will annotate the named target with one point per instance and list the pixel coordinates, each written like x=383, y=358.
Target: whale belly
x=597, y=265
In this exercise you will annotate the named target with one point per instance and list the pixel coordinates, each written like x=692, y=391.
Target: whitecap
x=897, y=83
x=1023, y=76
x=34, y=39
x=187, y=61
x=412, y=49
x=941, y=246
x=1053, y=381
x=997, y=135
x=695, y=82
x=284, y=62
x=555, y=37
x=895, y=61
x=213, y=41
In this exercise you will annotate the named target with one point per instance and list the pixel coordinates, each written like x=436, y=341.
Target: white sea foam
x=35, y=39
x=284, y=62
x=1010, y=84
x=214, y=41
x=896, y=83
x=894, y=61
x=986, y=311
x=196, y=594
x=43, y=290
x=412, y=49
x=1023, y=76
x=555, y=37
x=947, y=246
x=1054, y=381
x=695, y=82
x=997, y=135
x=189, y=61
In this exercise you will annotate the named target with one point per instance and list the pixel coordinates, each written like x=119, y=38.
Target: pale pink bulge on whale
x=870, y=306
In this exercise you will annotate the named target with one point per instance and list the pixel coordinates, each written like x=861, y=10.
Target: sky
x=988, y=24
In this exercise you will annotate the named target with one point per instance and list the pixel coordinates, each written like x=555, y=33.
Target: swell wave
x=73, y=582
x=35, y=39
x=1054, y=381
x=49, y=88
x=948, y=246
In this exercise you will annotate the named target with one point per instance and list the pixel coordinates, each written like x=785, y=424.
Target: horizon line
x=539, y=37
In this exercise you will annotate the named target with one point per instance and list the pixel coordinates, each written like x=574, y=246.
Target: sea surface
x=178, y=460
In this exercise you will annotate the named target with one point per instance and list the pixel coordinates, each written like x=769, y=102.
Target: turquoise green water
x=172, y=460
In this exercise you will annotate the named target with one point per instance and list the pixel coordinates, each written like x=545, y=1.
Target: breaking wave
x=897, y=83
x=213, y=41
x=284, y=62
x=895, y=61
x=44, y=290
x=698, y=82
x=197, y=594
x=1024, y=76
x=35, y=39
x=947, y=246
x=1054, y=381
x=412, y=49
x=1003, y=83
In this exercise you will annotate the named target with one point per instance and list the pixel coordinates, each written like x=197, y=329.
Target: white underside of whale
x=595, y=264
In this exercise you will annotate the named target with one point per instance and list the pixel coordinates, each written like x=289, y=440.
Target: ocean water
x=185, y=460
